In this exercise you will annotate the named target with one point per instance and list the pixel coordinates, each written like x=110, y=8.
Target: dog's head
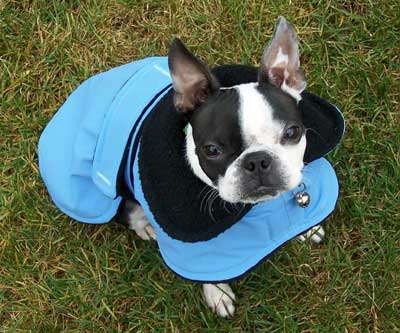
x=246, y=141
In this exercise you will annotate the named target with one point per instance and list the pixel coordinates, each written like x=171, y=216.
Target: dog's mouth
x=262, y=193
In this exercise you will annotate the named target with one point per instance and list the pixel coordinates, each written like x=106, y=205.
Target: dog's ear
x=191, y=78
x=280, y=64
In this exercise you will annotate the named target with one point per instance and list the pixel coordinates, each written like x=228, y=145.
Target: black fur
x=216, y=123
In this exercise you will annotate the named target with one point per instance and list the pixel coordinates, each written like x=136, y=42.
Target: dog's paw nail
x=228, y=309
x=150, y=232
x=143, y=228
x=147, y=233
x=316, y=238
x=301, y=238
x=143, y=235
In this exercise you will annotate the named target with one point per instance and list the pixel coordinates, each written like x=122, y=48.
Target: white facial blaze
x=256, y=117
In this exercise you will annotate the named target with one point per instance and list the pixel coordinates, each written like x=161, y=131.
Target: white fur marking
x=281, y=58
x=138, y=222
x=291, y=91
x=220, y=298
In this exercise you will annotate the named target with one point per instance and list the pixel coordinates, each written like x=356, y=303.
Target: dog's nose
x=257, y=162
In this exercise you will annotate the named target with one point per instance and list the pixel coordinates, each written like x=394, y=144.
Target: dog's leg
x=315, y=234
x=220, y=298
x=136, y=220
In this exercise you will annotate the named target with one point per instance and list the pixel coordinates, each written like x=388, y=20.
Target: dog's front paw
x=315, y=234
x=137, y=221
x=143, y=229
x=220, y=298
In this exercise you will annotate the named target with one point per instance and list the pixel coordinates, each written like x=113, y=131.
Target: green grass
x=57, y=275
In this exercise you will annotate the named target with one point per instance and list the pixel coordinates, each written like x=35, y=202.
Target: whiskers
x=233, y=208
x=210, y=195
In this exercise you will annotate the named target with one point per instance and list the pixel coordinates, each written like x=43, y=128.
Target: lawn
x=57, y=275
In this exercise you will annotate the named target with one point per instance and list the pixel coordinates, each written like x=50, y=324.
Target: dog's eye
x=212, y=151
x=292, y=133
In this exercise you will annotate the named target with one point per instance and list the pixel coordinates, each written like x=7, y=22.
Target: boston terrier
x=245, y=142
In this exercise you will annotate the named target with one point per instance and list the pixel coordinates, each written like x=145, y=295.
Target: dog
x=247, y=141
x=221, y=167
